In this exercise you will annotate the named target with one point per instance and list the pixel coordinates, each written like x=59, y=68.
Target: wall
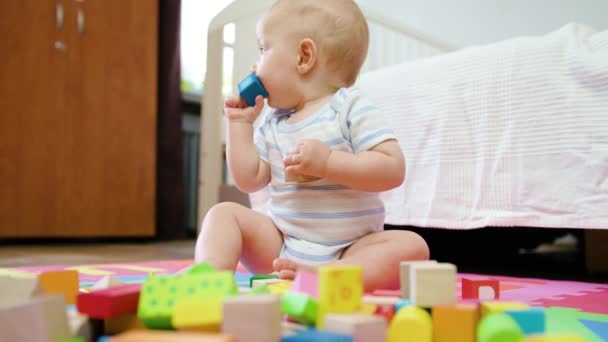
x=472, y=22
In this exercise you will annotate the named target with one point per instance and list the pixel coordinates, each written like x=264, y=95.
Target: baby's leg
x=379, y=254
x=232, y=232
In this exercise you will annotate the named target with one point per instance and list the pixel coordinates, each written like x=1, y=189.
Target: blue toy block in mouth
x=250, y=87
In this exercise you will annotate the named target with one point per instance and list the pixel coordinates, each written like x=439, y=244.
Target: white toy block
x=80, y=325
x=432, y=284
x=106, y=282
x=253, y=317
x=40, y=319
x=361, y=327
x=404, y=275
x=18, y=290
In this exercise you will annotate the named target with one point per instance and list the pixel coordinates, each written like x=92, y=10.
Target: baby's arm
x=250, y=173
x=378, y=169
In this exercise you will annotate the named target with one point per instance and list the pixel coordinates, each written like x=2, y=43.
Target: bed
x=513, y=133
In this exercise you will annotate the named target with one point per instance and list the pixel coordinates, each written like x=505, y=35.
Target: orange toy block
x=60, y=282
x=253, y=317
x=40, y=319
x=164, y=336
x=455, y=323
x=362, y=327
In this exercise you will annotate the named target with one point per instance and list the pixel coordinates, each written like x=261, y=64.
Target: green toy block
x=201, y=268
x=74, y=339
x=260, y=289
x=206, y=285
x=157, y=301
x=499, y=327
x=262, y=276
x=300, y=307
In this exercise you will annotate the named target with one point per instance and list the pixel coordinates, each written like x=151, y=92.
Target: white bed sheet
x=510, y=134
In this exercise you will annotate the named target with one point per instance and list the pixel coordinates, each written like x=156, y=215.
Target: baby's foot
x=287, y=269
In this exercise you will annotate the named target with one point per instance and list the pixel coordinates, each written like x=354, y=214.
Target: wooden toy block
x=555, y=337
x=60, y=282
x=261, y=277
x=498, y=306
x=157, y=301
x=404, y=275
x=530, y=321
x=18, y=290
x=299, y=307
x=280, y=288
x=315, y=335
x=387, y=312
x=498, y=327
x=411, y=323
x=340, y=290
x=402, y=303
x=74, y=339
x=106, y=282
x=39, y=319
x=455, y=323
x=380, y=300
x=81, y=326
x=267, y=281
x=361, y=327
x=260, y=289
x=291, y=328
x=432, y=284
x=250, y=87
x=484, y=289
x=110, y=302
x=368, y=309
x=204, y=315
x=206, y=285
x=306, y=282
x=253, y=318
x=172, y=336
x=117, y=325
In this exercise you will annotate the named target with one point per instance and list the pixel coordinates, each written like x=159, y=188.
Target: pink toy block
x=306, y=282
x=482, y=289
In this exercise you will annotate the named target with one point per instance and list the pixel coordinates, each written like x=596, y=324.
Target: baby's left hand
x=309, y=159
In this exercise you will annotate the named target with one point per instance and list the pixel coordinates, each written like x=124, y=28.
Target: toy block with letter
x=110, y=302
x=455, y=323
x=361, y=327
x=411, y=323
x=253, y=318
x=60, y=282
x=340, y=290
x=486, y=289
x=404, y=275
x=432, y=284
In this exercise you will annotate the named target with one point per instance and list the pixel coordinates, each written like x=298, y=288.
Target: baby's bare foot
x=287, y=269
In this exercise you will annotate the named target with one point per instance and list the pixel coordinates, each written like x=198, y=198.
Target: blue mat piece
x=598, y=328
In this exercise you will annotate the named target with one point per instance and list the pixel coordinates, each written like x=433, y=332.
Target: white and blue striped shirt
x=323, y=212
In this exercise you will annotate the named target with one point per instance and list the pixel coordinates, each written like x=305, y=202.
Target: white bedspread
x=509, y=134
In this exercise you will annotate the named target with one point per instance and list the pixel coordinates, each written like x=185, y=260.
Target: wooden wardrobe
x=78, y=103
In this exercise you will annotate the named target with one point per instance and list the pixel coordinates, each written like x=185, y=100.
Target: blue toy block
x=401, y=304
x=315, y=335
x=250, y=87
x=531, y=321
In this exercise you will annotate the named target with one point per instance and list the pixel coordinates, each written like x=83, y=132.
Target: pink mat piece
x=588, y=297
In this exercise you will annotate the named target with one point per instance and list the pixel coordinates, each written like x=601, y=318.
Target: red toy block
x=386, y=311
x=110, y=302
x=470, y=289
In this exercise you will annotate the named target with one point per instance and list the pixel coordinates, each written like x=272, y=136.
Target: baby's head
x=310, y=44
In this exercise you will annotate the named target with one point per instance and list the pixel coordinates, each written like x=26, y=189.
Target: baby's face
x=276, y=66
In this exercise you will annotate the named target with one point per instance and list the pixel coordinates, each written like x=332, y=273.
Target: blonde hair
x=339, y=29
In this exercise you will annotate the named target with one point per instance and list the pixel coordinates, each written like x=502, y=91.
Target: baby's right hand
x=237, y=110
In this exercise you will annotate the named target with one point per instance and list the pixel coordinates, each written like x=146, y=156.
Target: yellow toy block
x=557, y=337
x=411, y=323
x=173, y=336
x=60, y=282
x=203, y=315
x=279, y=288
x=455, y=323
x=157, y=301
x=365, y=308
x=340, y=290
x=499, y=306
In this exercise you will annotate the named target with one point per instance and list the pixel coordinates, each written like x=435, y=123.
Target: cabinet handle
x=59, y=16
x=80, y=20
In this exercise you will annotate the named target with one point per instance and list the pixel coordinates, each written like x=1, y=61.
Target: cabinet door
x=110, y=169
x=31, y=132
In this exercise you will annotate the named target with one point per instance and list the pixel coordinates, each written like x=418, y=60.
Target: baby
x=324, y=131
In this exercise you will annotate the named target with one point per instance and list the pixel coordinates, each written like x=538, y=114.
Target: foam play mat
x=572, y=306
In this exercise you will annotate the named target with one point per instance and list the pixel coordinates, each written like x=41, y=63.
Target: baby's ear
x=307, y=55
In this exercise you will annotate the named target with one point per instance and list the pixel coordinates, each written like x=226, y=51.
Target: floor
x=78, y=253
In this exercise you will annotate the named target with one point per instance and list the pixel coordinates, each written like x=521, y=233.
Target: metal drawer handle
x=80, y=21
x=59, y=16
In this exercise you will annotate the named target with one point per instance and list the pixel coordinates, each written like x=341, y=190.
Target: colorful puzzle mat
x=572, y=306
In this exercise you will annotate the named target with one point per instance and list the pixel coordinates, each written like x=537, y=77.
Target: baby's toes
x=287, y=274
x=284, y=264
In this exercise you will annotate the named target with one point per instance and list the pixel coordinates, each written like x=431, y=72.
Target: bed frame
x=391, y=42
